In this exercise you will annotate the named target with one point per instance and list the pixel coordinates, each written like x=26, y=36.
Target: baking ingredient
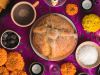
x=88, y=55
x=18, y=72
x=14, y=61
x=3, y=56
x=91, y=23
x=54, y=2
x=68, y=69
x=4, y=71
x=71, y=9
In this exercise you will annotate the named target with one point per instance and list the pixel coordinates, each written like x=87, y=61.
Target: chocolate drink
x=23, y=14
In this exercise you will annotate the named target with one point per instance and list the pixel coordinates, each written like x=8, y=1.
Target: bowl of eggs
x=55, y=3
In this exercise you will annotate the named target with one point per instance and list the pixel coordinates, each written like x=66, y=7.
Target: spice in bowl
x=88, y=55
x=9, y=39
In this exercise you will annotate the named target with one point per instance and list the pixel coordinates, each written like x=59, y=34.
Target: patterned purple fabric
x=25, y=49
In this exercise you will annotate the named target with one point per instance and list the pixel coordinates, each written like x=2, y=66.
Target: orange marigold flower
x=18, y=72
x=3, y=56
x=71, y=9
x=68, y=69
x=14, y=61
x=4, y=71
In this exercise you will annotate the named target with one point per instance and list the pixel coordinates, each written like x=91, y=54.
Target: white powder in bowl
x=88, y=55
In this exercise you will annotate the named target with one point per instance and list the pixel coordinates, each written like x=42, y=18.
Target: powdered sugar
x=88, y=55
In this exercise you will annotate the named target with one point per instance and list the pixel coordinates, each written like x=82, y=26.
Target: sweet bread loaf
x=3, y=4
x=54, y=37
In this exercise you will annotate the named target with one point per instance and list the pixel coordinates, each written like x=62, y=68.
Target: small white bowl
x=92, y=44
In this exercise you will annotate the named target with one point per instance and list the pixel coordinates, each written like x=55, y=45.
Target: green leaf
x=88, y=39
x=21, y=44
x=21, y=51
x=88, y=32
x=93, y=35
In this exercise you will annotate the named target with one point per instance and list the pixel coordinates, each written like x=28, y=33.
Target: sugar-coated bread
x=54, y=37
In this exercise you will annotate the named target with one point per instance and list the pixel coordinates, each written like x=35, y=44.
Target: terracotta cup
x=23, y=13
x=13, y=32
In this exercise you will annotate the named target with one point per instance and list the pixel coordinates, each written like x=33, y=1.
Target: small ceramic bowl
x=60, y=3
x=19, y=38
x=92, y=44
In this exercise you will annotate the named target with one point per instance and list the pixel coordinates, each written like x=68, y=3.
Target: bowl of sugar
x=88, y=54
x=55, y=3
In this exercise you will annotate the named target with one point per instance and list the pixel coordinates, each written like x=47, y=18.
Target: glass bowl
x=60, y=3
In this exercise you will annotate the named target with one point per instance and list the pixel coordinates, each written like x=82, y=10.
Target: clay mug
x=23, y=13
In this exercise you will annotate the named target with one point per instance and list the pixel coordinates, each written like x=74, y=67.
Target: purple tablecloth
x=25, y=48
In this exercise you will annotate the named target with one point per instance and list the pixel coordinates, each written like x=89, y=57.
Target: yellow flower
x=91, y=23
